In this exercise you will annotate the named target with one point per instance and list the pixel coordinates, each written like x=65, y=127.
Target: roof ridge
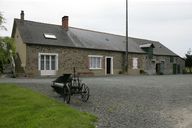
x=85, y=30
x=72, y=27
x=38, y=22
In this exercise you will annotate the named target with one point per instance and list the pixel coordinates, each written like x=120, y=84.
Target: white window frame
x=48, y=72
x=95, y=56
x=135, y=63
x=49, y=36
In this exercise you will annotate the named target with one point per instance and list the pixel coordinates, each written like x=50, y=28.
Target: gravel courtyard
x=130, y=101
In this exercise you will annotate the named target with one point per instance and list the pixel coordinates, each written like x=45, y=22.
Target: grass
x=23, y=108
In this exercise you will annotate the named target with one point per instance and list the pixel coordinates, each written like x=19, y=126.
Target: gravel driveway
x=131, y=101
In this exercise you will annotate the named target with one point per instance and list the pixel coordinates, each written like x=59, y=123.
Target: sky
x=166, y=21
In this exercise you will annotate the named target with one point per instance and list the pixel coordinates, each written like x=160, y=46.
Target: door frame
x=109, y=57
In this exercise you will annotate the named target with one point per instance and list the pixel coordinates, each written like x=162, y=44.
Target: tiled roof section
x=96, y=40
x=33, y=33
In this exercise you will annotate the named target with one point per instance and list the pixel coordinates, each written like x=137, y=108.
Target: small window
x=95, y=62
x=171, y=59
x=49, y=36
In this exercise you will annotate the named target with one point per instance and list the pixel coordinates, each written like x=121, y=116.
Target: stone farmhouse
x=48, y=50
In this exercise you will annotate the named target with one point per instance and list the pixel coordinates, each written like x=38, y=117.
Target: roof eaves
x=14, y=28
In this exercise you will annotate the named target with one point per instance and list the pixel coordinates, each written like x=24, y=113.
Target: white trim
x=48, y=72
x=41, y=53
x=94, y=68
x=57, y=62
x=95, y=56
x=49, y=36
x=39, y=60
x=106, y=64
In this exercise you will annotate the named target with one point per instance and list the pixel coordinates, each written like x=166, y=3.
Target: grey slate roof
x=32, y=33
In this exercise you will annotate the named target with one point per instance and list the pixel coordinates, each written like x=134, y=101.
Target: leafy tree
x=7, y=46
x=2, y=52
x=7, y=49
x=2, y=20
x=188, y=61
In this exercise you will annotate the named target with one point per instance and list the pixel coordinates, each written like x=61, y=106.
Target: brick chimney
x=65, y=20
x=22, y=15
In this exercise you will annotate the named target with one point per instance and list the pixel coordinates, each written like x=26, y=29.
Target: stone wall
x=141, y=63
x=150, y=66
x=72, y=57
x=76, y=57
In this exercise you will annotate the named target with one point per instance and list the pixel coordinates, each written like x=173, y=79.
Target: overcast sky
x=167, y=21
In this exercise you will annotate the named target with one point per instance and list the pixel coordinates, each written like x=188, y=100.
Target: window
x=48, y=63
x=148, y=48
x=135, y=63
x=42, y=62
x=150, y=53
x=49, y=36
x=53, y=62
x=171, y=59
x=95, y=62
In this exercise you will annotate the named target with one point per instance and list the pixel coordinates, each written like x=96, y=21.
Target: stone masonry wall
x=71, y=57
x=150, y=66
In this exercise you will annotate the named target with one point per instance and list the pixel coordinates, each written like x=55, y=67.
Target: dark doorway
x=174, y=68
x=178, y=69
x=158, y=68
x=108, y=61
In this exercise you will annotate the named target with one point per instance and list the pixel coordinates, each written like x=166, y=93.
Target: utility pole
x=126, y=54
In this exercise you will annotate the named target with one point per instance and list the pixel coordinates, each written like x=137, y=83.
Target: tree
x=188, y=61
x=7, y=50
x=2, y=52
x=7, y=46
x=2, y=20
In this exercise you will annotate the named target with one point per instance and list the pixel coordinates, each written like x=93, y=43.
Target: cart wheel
x=84, y=93
x=66, y=93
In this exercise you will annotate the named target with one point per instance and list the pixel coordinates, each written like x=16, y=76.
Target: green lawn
x=23, y=108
